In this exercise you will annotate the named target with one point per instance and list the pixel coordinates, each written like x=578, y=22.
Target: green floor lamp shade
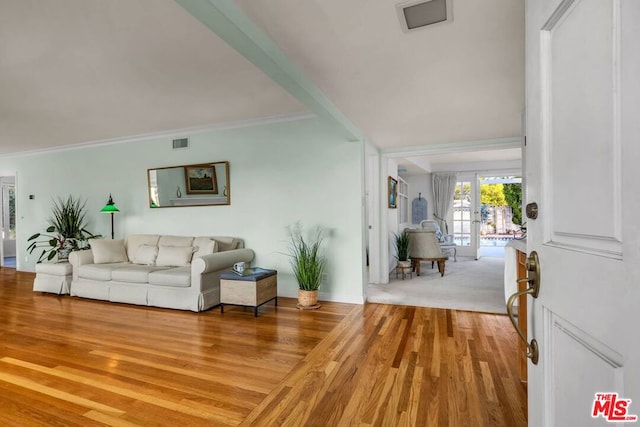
x=110, y=208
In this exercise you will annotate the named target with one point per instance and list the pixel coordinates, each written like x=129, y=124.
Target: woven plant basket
x=307, y=298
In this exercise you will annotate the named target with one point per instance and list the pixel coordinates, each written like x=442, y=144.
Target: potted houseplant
x=66, y=232
x=402, y=251
x=308, y=264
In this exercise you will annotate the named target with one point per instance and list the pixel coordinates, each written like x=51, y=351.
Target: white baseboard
x=322, y=296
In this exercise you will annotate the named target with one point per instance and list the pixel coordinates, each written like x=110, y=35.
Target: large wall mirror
x=189, y=185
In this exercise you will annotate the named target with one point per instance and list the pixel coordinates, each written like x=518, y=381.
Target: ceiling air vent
x=180, y=143
x=419, y=14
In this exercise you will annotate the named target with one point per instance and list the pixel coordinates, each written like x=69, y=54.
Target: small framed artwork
x=201, y=179
x=393, y=192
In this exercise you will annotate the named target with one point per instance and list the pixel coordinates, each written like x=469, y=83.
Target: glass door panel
x=465, y=213
x=462, y=213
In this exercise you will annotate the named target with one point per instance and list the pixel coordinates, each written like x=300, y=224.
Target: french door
x=466, y=216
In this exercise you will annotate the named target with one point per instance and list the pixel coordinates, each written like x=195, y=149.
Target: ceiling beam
x=229, y=23
x=455, y=147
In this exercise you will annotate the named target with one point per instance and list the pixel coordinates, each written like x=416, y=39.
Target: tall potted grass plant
x=308, y=263
x=402, y=251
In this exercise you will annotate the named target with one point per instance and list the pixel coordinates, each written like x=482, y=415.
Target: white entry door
x=583, y=168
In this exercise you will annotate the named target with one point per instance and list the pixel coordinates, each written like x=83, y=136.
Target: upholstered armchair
x=446, y=240
x=424, y=246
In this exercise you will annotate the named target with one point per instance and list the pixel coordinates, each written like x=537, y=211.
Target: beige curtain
x=444, y=184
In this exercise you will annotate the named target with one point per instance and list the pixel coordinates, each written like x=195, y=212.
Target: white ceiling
x=457, y=81
x=75, y=71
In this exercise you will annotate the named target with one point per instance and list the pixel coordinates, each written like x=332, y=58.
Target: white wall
x=279, y=174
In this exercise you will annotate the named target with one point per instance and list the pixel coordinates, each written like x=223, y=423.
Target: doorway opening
x=500, y=213
x=8, y=200
x=461, y=225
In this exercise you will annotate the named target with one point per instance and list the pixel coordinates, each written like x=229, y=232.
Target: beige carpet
x=467, y=285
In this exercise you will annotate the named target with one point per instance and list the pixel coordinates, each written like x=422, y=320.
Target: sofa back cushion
x=204, y=246
x=197, y=246
x=134, y=241
x=108, y=251
x=145, y=255
x=227, y=243
x=174, y=256
x=175, y=241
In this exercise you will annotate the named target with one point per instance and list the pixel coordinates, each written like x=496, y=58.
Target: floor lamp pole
x=112, y=234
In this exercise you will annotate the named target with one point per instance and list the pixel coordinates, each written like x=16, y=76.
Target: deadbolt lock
x=533, y=274
x=533, y=263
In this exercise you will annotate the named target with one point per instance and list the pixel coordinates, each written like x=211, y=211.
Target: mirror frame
x=184, y=167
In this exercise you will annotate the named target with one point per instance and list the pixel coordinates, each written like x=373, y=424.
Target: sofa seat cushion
x=99, y=271
x=178, y=277
x=134, y=273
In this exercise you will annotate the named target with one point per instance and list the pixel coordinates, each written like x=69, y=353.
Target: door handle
x=533, y=279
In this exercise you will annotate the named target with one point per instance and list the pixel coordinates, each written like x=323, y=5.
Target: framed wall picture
x=201, y=179
x=393, y=192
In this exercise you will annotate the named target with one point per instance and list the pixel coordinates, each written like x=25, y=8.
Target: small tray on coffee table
x=247, y=272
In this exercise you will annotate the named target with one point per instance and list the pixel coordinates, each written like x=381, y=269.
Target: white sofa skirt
x=177, y=298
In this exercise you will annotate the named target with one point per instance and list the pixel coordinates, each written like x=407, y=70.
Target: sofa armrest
x=206, y=270
x=78, y=258
x=220, y=260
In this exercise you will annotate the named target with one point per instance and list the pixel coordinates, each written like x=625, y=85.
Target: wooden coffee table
x=251, y=290
x=416, y=264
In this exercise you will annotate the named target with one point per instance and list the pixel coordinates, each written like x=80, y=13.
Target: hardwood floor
x=69, y=361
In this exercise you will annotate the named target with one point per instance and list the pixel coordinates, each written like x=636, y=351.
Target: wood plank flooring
x=69, y=361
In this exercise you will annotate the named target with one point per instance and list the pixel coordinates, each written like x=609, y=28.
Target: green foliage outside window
x=463, y=193
x=492, y=195
x=495, y=195
x=513, y=196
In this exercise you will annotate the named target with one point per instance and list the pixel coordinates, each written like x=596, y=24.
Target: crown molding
x=172, y=133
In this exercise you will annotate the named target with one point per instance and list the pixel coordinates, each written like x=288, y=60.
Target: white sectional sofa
x=178, y=272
